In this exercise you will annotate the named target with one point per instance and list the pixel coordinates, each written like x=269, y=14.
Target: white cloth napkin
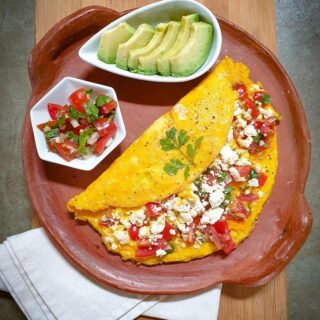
x=46, y=286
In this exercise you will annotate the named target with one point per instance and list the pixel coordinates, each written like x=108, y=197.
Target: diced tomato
x=102, y=125
x=154, y=209
x=239, y=210
x=227, y=242
x=248, y=197
x=79, y=128
x=111, y=131
x=242, y=90
x=214, y=237
x=250, y=104
x=107, y=107
x=262, y=179
x=258, y=95
x=134, y=232
x=243, y=170
x=67, y=149
x=191, y=237
x=54, y=110
x=166, y=235
x=144, y=251
x=196, y=220
x=258, y=124
x=48, y=124
x=78, y=98
x=221, y=226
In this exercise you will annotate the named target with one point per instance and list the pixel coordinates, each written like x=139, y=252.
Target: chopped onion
x=93, y=138
x=74, y=123
x=62, y=137
x=109, y=142
x=46, y=129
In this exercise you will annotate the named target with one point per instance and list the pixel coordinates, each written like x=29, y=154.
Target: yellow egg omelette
x=195, y=181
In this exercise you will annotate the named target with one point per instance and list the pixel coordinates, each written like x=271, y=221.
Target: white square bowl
x=59, y=95
x=162, y=11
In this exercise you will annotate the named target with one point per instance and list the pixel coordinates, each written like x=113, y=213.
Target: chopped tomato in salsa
x=80, y=129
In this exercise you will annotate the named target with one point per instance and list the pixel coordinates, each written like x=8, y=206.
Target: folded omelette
x=195, y=181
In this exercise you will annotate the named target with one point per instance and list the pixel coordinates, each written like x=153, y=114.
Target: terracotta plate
x=284, y=223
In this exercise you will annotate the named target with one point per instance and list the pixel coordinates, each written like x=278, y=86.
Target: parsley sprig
x=175, y=141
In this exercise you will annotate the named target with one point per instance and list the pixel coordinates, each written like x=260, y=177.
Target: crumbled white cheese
x=266, y=112
x=230, y=134
x=108, y=239
x=172, y=232
x=235, y=174
x=169, y=203
x=260, y=193
x=253, y=183
x=246, y=142
x=160, y=253
x=211, y=216
x=243, y=162
x=238, y=111
x=186, y=217
x=122, y=236
x=228, y=155
x=114, y=246
x=158, y=225
x=144, y=232
x=125, y=221
x=257, y=167
x=137, y=217
x=216, y=198
x=255, y=87
x=246, y=115
x=242, y=123
x=261, y=143
x=182, y=205
x=183, y=228
x=250, y=131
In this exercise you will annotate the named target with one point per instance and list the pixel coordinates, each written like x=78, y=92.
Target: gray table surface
x=298, y=32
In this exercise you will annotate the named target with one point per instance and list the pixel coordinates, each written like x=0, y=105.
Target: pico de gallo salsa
x=82, y=128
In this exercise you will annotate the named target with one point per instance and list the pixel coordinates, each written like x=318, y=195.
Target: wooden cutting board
x=258, y=18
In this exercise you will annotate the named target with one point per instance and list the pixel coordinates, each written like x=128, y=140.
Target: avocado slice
x=111, y=39
x=195, y=52
x=154, y=42
x=163, y=63
x=140, y=38
x=148, y=63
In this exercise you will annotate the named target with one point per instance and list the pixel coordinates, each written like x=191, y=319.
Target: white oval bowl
x=59, y=94
x=163, y=11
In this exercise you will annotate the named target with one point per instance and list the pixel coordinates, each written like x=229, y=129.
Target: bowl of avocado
x=167, y=41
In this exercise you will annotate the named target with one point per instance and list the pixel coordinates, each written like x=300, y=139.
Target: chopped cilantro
x=84, y=135
x=253, y=174
x=266, y=99
x=72, y=136
x=53, y=133
x=222, y=176
x=257, y=138
x=89, y=91
x=92, y=111
x=101, y=100
x=75, y=114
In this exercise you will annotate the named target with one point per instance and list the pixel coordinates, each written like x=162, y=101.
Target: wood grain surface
x=258, y=18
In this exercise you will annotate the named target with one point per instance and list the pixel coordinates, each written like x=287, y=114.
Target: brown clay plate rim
x=282, y=253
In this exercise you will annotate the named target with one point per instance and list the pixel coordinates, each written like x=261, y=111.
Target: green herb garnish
x=84, y=135
x=253, y=174
x=266, y=99
x=222, y=176
x=89, y=91
x=257, y=138
x=101, y=100
x=53, y=133
x=61, y=121
x=75, y=114
x=92, y=111
x=175, y=141
x=72, y=136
